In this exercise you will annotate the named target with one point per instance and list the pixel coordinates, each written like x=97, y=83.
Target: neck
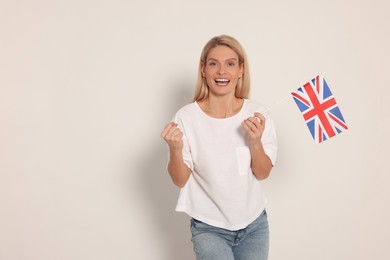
x=222, y=107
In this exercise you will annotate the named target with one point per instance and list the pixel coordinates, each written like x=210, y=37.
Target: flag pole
x=284, y=99
x=276, y=103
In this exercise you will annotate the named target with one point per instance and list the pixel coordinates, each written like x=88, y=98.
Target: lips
x=222, y=82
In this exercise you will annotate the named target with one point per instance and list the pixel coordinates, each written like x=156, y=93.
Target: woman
x=220, y=148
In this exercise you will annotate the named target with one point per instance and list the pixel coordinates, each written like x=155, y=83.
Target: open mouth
x=222, y=82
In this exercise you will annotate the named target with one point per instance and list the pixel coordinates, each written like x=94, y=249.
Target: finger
x=254, y=123
x=174, y=134
x=179, y=136
x=174, y=131
x=167, y=129
x=254, y=120
x=245, y=126
x=250, y=124
x=260, y=117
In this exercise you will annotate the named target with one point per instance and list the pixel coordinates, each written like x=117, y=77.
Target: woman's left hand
x=254, y=126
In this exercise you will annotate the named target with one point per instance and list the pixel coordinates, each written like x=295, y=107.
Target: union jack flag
x=319, y=109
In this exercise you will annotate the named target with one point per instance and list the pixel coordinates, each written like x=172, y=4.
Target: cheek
x=234, y=82
x=209, y=76
x=209, y=81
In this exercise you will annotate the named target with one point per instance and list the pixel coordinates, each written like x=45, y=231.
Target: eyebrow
x=231, y=59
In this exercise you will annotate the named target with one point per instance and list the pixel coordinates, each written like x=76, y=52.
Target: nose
x=221, y=70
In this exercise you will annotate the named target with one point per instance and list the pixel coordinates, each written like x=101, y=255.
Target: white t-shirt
x=222, y=190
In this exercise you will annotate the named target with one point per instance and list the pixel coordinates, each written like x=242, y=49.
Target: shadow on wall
x=161, y=193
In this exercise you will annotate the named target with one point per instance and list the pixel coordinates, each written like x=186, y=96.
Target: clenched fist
x=173, y=136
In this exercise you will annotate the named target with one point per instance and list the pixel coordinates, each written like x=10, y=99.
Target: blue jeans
x=250, y=243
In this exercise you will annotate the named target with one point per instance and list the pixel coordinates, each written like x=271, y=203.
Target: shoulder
x=189, y=108
x=186, y=111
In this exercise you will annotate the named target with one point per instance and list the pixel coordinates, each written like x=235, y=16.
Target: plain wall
x=87, y=86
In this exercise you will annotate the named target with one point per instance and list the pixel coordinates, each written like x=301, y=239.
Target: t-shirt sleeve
x=269, y=139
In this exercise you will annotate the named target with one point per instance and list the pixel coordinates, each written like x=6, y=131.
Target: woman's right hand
x=173, y=136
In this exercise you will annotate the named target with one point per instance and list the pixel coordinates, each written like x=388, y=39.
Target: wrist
x=257, y=147
x=255, y=144
x=175, y=151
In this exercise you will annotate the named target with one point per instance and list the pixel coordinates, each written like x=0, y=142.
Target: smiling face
x=222, y=70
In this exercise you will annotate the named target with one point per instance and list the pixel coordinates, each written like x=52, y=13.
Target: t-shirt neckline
x=227, y=118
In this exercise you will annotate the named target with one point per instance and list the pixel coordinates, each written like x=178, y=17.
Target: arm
x=261, y=164
x=178, y=170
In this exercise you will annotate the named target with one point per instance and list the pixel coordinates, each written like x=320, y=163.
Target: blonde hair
x=243, y=85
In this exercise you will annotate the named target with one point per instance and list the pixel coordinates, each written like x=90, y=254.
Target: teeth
x=222, y=80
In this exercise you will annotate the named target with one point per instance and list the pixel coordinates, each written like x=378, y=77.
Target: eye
x=212, y=64
x=231, y=64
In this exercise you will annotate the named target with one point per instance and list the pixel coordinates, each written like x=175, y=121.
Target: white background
x=87, y=86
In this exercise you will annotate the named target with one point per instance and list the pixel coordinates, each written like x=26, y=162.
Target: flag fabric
x=319, y=109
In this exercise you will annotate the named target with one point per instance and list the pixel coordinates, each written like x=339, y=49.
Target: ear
x=241, y=73
x=202, y=68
